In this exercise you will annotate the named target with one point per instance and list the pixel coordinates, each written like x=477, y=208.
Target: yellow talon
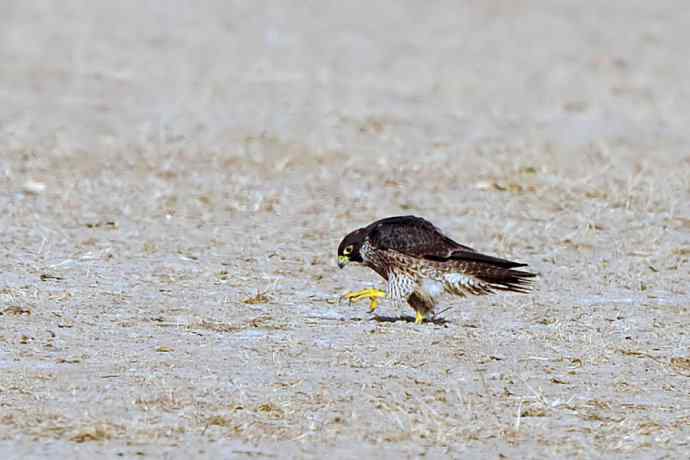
x=419, y=318
x=371, y=294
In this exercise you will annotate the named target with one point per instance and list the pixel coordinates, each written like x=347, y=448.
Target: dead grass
x=168, y=273
x=95, y=433
x=259, y=298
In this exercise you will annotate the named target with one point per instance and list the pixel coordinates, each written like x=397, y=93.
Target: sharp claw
x=350, y=296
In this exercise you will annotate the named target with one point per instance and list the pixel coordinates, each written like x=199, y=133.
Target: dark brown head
x=348, y=250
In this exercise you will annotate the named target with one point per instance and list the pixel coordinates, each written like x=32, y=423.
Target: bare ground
x=173, y=185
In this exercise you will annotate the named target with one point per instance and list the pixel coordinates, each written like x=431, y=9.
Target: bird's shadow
x=408, y=319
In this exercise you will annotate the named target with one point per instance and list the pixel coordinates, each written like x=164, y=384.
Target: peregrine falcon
x=420, y=263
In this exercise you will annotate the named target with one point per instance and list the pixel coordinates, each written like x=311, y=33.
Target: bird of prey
x=420, y=263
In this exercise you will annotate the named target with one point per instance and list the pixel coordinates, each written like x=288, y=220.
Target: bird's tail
x=504, y=279
x=492, y=273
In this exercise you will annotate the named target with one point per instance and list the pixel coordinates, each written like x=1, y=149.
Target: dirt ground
x=175, y=179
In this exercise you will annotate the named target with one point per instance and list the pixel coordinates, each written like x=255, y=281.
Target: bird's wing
x=476, y=273
x=413, y=236
x=418, y=237
x=474, y=256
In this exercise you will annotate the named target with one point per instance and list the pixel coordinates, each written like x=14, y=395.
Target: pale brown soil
x=174, y=181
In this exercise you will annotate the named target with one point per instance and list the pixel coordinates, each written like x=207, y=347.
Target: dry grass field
x=175, y=178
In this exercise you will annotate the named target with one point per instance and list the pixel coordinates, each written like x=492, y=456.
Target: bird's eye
x=348, y=250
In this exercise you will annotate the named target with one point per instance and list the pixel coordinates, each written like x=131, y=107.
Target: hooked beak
x=342, y=261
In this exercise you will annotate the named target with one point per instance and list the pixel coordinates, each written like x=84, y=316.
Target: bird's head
x=348, y=250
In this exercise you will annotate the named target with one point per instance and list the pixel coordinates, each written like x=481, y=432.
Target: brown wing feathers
x=477, y=257
x=420, y=238
x=413, y=236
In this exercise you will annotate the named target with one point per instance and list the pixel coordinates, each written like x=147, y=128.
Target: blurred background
x=357, y=77
x=175, y=178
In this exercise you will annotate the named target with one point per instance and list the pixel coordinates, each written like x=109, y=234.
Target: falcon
x=420, y=264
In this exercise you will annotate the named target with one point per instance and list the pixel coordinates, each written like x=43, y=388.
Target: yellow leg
x=419, y=317
x=371, y=294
